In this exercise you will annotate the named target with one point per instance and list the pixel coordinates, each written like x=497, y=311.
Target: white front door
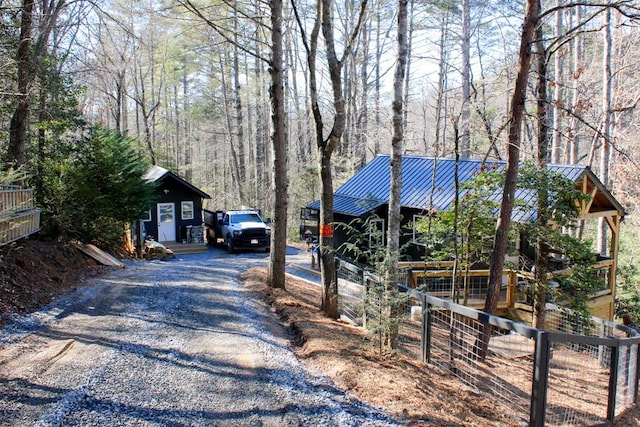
x=166, y=222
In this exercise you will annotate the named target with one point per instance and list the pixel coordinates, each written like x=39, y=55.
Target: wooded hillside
x=191, y=81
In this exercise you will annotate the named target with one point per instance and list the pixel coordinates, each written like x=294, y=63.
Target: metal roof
x=352, y=206
x=417, y=180
x=369, y=188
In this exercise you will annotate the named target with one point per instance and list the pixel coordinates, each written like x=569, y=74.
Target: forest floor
x=33, y=273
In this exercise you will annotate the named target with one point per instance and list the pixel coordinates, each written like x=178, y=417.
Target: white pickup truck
x=238, y=229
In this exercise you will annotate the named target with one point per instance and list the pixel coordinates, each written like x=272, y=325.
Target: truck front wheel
x=230, y=247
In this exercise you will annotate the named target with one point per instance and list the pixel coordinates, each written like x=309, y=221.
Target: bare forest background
x=191, y=81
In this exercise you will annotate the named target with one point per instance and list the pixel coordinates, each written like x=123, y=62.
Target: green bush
x=95, y=191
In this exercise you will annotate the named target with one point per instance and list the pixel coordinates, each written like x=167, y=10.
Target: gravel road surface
x=165, y=343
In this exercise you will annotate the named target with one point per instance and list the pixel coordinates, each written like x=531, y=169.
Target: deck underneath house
x=514, y=302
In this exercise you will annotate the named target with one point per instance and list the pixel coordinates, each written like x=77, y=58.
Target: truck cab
x=245, y=229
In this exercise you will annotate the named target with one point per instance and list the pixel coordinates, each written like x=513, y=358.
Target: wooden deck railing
x=18, y=215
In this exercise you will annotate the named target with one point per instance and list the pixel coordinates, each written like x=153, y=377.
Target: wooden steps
x=186, y=248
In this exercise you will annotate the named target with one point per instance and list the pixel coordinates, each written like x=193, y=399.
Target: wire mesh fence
x=454, y=344
x=599, y=368
x=570, y=374
x=352, y=293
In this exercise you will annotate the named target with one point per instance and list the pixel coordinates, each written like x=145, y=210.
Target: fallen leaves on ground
x=414, y=392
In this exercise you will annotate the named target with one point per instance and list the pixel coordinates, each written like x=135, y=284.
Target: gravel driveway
x=165, y=343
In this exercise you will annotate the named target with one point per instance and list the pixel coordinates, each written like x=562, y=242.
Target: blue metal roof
x=369, y=188
x=350, y=205
x=417, y=180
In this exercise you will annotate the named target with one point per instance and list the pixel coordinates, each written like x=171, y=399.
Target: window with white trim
x=187, y=210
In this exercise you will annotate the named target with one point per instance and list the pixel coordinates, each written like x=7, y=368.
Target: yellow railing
x=18, y=215
x=511, y=296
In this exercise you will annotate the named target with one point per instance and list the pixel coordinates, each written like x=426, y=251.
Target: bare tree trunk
x=558, y=94
x=176, y=129
x=276, y=276
x=326, y=146
x=150, y=119
x=389, y=340
x=442, y=82
x=363, y=115
x=238, y=105
x=20, y=118
x=235, y=165
x=188, y=143
x=303, y=147
x=120, y=101
x=349, y=77
x=465, y=117
x=378, y=121
x=605, y=149
x=407, y=78
x=455, y=291
x=500, y=240
x=542, y=220
x=261, y=131
x=141, y=100
x=576, y=70
x=31, y=50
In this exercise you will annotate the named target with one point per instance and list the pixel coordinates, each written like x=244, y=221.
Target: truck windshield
x=248, y=217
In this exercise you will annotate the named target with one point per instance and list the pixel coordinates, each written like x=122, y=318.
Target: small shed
x=176, y=215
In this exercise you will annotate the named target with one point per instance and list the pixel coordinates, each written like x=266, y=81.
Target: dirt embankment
x=33, y=273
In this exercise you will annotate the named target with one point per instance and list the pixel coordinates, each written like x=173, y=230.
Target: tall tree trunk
x=261, y=144
x=363, y=114
x=326, y=146
x=576, y=71
x=605, y=149
x=176, y=124
x=378, y=121
x=188, y=143
x=558, y=92
x=465, y=117
x=237, y=97
x=542, y=220
x=303, y=147
x=279, y=140
x=500, y=239
x=20, y=118
x=235, y=165
x=32, y=48
x=438, y=139
x=393, y=240
x=407, y=78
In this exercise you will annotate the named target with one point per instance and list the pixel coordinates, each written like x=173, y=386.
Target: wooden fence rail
x=19, y=217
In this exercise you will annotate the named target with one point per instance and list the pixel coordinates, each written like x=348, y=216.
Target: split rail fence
x=540, y=377
x=18, y=215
